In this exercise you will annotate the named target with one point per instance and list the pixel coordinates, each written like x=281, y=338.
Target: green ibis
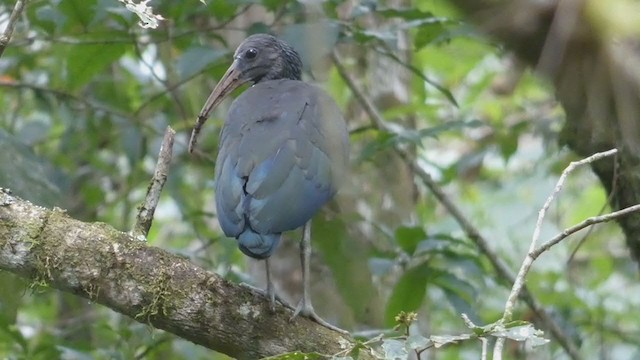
x=283, y=151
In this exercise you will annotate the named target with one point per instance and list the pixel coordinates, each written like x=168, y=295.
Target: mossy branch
x=109, y=267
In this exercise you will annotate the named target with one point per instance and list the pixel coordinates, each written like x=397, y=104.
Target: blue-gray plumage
x=282, y=154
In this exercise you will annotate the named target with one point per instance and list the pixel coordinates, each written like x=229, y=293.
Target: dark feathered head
x=260, y=57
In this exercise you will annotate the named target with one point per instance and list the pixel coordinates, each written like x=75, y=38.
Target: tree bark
x=596, y=77
x=109, y=267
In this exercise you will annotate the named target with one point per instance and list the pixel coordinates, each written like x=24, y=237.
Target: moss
x=160, y=299
x=92, y=291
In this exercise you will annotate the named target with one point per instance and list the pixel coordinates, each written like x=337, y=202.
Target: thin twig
x=501, y=268
x=148, y=207
x=65, y=95
x=11, y=24
x=485, y=346
x=497, y=348
x=587, y=222
x=533, y=253
x=614, y=189
x=526, y=264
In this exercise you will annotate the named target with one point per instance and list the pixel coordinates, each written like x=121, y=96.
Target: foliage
x=87, y=94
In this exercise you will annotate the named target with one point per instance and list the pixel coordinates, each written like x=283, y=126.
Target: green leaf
x=460, y=294
x=351, y=271
x=84, y=62
x=382, y=141
x=222, y=10
x=428, y=33
x=45, y=16
x=409, y=237
x=408, y=293
x=79, y=13
x=508, y=145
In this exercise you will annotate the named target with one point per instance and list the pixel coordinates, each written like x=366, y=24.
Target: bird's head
x=260, y=57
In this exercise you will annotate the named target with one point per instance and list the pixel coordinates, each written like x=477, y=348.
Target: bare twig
x=614, y=189
x=526, y=264
x=533, y=253
x=11, y=24
x=497, y=348
x=148, y=207
x=587, y=222
x=485, y=346
x=501, y=268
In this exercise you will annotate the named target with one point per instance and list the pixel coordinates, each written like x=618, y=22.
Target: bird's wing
x=282, y=151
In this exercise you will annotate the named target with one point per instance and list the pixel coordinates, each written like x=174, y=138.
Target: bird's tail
x=258, y=246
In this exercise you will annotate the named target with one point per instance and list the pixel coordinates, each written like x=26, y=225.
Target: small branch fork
x=148, y=207
x=5, y=37
x=502, y=269
x=533, y=252
x=536, y=251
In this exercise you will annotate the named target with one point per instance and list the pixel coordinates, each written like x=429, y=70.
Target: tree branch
x=99, y=263
x=518, y=284
x=148, y=207
x=11, y=24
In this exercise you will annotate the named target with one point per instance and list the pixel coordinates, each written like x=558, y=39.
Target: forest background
x=462, y=117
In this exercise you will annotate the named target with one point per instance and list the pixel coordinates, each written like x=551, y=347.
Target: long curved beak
x=229, y=82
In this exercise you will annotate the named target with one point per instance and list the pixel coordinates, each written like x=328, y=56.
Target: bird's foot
x=305, y=309
x=265, y=293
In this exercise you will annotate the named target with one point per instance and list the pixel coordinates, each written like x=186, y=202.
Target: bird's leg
x=305, y=307
x=271, y=292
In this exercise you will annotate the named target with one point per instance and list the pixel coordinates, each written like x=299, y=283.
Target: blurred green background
x=86, y=95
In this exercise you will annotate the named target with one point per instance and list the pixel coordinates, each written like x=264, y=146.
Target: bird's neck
x=289, y=66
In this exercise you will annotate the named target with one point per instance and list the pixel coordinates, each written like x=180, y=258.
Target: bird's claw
x=265, y=293
x=306, y=309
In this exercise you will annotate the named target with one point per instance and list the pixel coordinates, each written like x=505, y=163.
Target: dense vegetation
x=87, y=94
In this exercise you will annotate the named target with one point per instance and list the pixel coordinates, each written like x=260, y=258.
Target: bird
x=283, y=154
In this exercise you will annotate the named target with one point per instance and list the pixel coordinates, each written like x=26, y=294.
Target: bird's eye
x=251, y=53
